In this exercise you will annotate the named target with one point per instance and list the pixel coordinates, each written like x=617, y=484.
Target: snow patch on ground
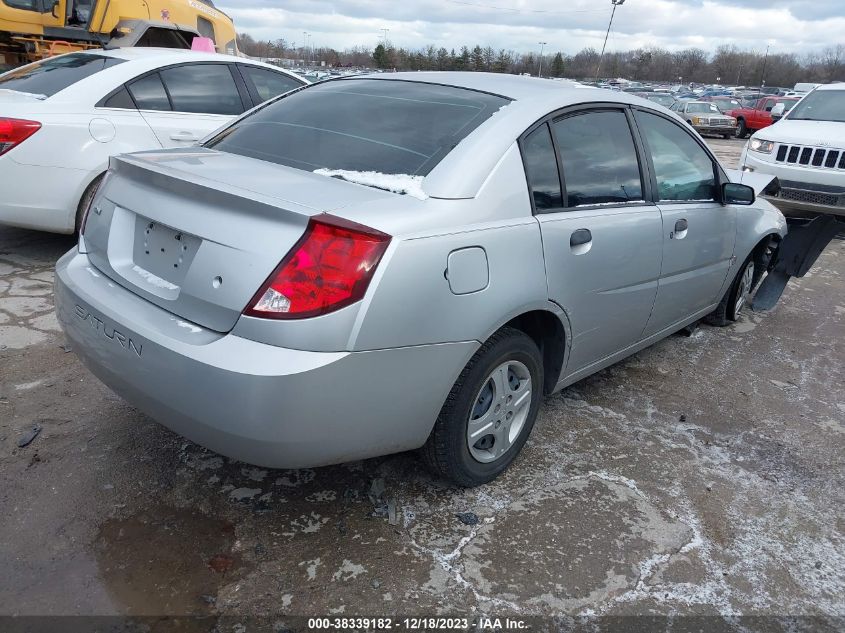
x=397, y=183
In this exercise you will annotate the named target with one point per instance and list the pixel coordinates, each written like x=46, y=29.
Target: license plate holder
x=163, y=251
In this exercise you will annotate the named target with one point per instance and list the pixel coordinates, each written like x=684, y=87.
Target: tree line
x=728, y=64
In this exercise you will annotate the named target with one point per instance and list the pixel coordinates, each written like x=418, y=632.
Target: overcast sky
x=567, y=25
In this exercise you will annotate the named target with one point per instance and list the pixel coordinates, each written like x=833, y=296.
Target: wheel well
x=764, y=256
x=547, y=332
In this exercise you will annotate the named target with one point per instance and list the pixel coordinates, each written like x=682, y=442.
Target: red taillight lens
x=328, y=268
x=14, y=132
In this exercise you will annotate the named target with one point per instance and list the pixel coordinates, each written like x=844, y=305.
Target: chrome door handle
x=187, y=137
x=581, y=236
x=680, y=231
x=581, y=241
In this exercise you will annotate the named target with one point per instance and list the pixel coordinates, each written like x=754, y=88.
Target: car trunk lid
x=197, y=232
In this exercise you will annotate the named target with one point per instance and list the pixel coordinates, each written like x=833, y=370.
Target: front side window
x=26, y=5
x=599, y=159
x=819, y=105
x=203, y=89
x=49, y=76
x=269, y=84
x=381, y=125
x=538, y=155
x=684, y=171
x=206, y=28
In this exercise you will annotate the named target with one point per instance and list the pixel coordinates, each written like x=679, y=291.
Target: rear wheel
x=741, y=129
x=490, y=411
x=86, y=200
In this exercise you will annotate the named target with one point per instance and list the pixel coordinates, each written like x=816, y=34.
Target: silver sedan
x=377, y=264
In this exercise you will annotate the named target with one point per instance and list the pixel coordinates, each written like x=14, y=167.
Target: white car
x=806, y=151
x=61, y=119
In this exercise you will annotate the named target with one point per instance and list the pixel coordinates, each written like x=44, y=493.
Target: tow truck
x=31, y=30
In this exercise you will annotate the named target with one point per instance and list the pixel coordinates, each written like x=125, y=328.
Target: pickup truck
x=751, y=119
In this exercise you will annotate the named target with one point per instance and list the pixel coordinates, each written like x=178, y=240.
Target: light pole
x=305, y=36
x=763, y=72
x=540, y=71
x=615, y=3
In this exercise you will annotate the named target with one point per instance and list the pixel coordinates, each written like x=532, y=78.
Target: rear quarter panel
x=411, y=302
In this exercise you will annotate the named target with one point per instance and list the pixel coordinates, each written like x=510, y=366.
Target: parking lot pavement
x=703, y=475
x=727, y=150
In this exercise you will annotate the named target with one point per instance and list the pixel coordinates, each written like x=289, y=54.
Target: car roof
x=834, y=86
x=161, y=54
x=515, y=87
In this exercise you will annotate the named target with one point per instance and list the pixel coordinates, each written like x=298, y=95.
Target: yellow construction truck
x=34, y=29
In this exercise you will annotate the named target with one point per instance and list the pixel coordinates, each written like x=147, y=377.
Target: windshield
x=385, y=126
x=820, y=105
x=46, y=78
x=702, y=107
x=664, y=100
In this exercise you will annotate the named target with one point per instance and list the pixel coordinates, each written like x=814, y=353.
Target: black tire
x=447, y=451
x=85, y=201
x=727, y=312
x=726, y=136
x=741, y=129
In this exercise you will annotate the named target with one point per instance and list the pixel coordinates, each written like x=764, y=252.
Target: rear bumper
x=259, y=403
x=42, y=198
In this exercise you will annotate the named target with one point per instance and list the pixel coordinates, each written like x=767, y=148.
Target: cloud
x=786, y=25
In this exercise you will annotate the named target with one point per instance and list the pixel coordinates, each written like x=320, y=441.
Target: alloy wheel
x=499, y=411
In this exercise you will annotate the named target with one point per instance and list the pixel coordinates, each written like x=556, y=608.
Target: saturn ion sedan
x=377, y=264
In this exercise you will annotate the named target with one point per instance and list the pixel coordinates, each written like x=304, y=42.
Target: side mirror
x=777, y=111
x=736, y=193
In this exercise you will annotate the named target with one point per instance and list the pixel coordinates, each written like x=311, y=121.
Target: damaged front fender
x=797, y=253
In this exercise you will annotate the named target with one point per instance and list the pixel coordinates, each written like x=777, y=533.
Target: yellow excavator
x=31, y=30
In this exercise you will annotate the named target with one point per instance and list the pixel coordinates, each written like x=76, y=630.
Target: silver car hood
x=755, y=180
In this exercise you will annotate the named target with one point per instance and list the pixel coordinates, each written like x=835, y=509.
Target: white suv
x=806, y=151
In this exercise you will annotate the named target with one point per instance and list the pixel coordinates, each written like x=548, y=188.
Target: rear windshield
x=386, y=126
x=47, y=77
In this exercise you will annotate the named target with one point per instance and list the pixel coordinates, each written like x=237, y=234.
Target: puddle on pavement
x=166, y=561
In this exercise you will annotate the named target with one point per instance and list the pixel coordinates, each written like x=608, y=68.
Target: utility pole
x=615, y=3
x=542, y=45
x=384, y=35
x=305, y=36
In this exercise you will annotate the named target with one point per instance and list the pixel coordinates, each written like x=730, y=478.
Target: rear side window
x=120, y=99
x=386, y=126
x=202, y=88
x=538, y=155
x=57, y=73
x=149, y=93
x=599, y=159
x=684, y=171
x=267, y=83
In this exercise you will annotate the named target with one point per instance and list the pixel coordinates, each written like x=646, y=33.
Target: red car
x=751, y=119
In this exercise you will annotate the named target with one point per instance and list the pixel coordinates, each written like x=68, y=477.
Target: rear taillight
x=328, y=268
x=13, y=132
